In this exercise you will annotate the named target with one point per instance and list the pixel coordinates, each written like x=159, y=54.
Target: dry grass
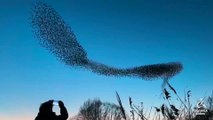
x=184, y=110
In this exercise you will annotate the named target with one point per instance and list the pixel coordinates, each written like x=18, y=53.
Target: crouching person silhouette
x=46, y=113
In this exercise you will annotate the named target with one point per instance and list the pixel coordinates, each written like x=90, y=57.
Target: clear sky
x=122, y=33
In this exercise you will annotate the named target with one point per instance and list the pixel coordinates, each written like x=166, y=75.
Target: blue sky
x=119, y=33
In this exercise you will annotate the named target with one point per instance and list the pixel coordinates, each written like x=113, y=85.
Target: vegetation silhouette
x=56, y=36
x=97, y=110
x=46, y=112
x=182, y=110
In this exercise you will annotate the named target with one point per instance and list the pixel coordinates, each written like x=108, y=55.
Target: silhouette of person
x=46, y=113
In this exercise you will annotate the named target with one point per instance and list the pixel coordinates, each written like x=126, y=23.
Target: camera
x=55, y=102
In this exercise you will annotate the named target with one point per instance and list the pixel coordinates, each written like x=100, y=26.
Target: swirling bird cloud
x=56, y=36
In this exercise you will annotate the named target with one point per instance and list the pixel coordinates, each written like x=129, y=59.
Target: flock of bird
x=57, y=37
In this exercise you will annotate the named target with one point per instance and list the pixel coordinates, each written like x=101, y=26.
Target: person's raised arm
x=63, y=111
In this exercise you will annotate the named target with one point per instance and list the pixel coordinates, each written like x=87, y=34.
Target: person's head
x=46, y=107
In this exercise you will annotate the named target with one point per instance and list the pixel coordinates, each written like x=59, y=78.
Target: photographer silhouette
x=46, y=113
